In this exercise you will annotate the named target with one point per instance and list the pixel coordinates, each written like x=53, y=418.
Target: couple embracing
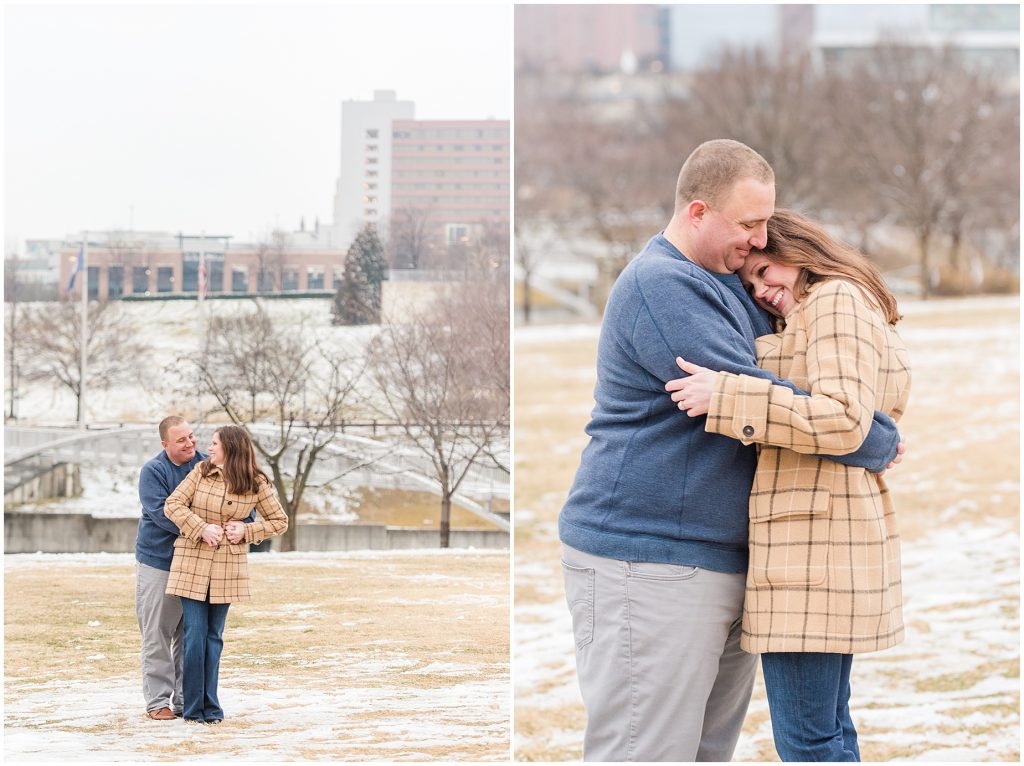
x=739, y=509
x=199, y=515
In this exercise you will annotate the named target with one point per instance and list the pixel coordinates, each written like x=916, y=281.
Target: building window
x=115, y=282
x=94, y=283
x=214, y=273
x=371, y=173
x=140, y=279
x=315, y=278
x=338, y=276
x=370, y=212
x=457, y=233
x=371, y=160
x=190, y=272
x=239, y=279
x=371, y=147
x=290, y=280
x=371, y=132
x=165, y=279
x=369, y=187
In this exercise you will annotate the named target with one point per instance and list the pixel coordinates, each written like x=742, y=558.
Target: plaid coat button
x=748, y=431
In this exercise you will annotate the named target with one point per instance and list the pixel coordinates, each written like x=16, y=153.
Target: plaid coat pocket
x=789, y=537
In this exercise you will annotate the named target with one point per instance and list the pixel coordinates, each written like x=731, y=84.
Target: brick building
x=155, y=263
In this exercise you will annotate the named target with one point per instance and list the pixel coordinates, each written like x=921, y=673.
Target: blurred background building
x=896, y=125
x=426, y=184
x=606, y=39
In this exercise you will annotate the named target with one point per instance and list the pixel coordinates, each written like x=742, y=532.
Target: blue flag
x=78, y=267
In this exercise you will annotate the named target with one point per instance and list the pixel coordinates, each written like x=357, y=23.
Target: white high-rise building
x=363, y=193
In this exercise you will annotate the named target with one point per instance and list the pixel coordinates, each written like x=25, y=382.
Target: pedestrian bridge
x=390, y=462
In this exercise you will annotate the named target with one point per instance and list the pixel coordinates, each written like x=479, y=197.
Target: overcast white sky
x=224, y=118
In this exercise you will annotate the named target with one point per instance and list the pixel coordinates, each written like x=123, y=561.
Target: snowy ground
x=361, y=656
x=173, y=329
x=950, y=691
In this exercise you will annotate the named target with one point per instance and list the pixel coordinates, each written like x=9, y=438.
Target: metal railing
x=355, y=461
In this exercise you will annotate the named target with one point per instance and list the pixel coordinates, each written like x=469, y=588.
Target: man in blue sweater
x=159, y=615
x=654, y=530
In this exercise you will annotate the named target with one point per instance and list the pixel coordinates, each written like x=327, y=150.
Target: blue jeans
x=809, y=700
x=204, y=626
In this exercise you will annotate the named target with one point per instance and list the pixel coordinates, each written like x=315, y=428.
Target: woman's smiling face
x=769, y=283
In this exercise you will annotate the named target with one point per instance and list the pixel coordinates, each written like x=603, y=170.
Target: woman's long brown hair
x=240, y=470
x=795, y=241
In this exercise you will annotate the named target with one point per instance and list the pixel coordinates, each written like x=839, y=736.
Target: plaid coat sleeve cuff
x=271, y=520
x=739, y=407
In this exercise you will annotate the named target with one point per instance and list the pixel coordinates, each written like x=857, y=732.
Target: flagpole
x=84, y=333
x=199, y=305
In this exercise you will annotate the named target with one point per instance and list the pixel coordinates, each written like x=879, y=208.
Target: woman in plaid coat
x=823, y=580
x=209, y=569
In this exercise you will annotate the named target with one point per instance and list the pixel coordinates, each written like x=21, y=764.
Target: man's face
x=180, y=445
x=728, y=233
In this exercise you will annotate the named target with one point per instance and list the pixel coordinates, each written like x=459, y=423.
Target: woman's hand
x=900, y=449
x=692, y=394
x=235, y=530
x=212, y=535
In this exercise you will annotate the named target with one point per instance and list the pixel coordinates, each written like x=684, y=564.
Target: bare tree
x=765, y=102
x=917, y=119
x=271, y=253
x=11, y=294
x=304, y=386
x=412, y=238
x=50, y=342
x=443, y=374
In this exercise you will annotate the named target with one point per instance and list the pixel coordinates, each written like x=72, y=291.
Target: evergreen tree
x=358, y=299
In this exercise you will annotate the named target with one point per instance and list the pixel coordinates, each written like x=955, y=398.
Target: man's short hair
x=714, y=167
x=168, y=423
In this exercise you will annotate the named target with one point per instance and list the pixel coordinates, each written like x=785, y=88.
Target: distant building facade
x=426, y=183
x=449, y=178
x=595, y=39
x=125, y=264
x=39, y=263
x=363, y=191
x=988, y=35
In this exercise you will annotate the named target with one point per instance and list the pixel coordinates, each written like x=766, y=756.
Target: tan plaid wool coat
x=223, y=570
x=824, y=572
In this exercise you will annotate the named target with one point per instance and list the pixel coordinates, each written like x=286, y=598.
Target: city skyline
x=225, y=119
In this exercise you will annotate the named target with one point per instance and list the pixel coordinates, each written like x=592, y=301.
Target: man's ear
x=695, y=211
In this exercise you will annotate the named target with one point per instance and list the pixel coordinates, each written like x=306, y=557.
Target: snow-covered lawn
x=951, y=690
x=172, y=330
x=397, y=655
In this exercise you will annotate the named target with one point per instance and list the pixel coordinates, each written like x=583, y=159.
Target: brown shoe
x=161, y=714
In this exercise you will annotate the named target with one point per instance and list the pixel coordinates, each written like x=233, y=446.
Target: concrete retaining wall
x=67, y=533
x=80, y=533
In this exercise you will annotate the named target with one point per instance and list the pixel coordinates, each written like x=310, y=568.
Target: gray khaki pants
x=658, y=657
x=160, y=623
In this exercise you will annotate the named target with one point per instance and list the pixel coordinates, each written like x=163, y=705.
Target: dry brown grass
x=402, y=508
x=412, y=624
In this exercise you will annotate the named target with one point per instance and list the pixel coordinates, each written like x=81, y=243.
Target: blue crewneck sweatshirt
x=652, y=485
x=154, y=543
